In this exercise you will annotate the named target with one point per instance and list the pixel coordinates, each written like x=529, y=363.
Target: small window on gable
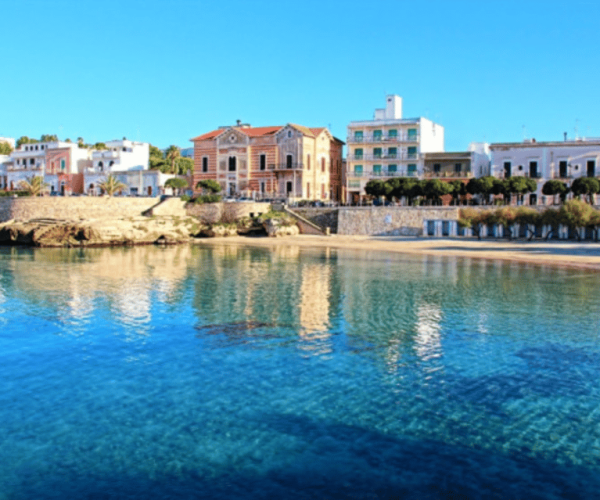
x=289, y=133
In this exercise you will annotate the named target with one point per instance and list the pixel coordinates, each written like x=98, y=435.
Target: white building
x=128, y=162
x=564, y=160
x=60, y=164
x=388, y=146
x=4, y=162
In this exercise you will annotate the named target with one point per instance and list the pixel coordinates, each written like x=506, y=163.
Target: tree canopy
x=209, y=185
x=586, y=186
x=5, y=148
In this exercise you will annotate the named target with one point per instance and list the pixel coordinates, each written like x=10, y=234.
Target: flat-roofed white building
x=388, y=146
x=564, y=160
x=4, y=162
x=60, y=164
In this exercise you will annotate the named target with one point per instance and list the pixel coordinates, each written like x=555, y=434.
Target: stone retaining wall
x=390, y=221
x=322, y=217
x=71, y=207
x=214, y=212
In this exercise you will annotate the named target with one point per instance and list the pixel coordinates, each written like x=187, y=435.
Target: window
x=308, y=189
x=393, y=133
x=458, y=168
x=507, y=170
x=289, y=133
x=288, y=161
x=437, y=168
x=358, y=170
x=412, y=169
x=412, y=152
x=288, y=187
x=376, y=152
x=263, y=162
x=31, y=161
x=591, y=168
x=533, y=173
x=376, y=169
x=262, y=187
x=392, y=169
x=62, y=164
x=358, y=153
x=412, y=134
x=377, y=135
x=36, y=148
x=205, y=164
x=308, y=162
x=111, y=163
x=322, y=164
x=232, y=163
x=124, y=149
x=562, y=169
x=358, y=135
x=392, y=152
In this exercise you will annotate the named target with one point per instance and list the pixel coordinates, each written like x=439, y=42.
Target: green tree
x=528, y=217
x=176, y=184
x=501, y=186
x=378, y=188
x=49, y=138
x=22, y=140
x=184, y=165
x=35, y=186
x=520, y=185
x=554, y=187
x=5, y=148
x=209, y=185
x=586, y=186
x=171, y=154
x=576, y=214
x=434, y=189
x=505, y=217
x=483, y=186
x=111, y=185
x=100, y=146
x=550, y=217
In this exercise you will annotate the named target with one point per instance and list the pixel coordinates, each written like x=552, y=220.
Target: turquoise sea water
x=233, y=372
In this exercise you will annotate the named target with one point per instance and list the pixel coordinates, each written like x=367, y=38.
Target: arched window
x=101, y=166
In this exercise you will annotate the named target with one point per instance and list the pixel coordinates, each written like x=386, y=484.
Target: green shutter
x=358, y=153
x=392, y=152
x=412, y=169
x=392, y=168
x=412, y=133
x=377, y=152
x=393, y=133
x=358, y=170
x=377, y=134
x=376, y=169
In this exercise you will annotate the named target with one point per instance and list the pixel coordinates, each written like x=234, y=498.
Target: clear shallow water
x=233, y=372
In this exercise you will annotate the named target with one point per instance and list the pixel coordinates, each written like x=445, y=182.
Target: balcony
x=382, y=174
x=286, y=166
x=393, y=156
x=383, y=138
x=449, y=174
x=101, y=155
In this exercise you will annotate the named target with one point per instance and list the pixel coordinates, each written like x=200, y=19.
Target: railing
x=450, y=173
x=382, y=156
x=286, y=166
x=382, y=173
x=383, y=138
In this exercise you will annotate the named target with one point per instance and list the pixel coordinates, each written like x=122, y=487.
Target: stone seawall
x=322, y=217
x=390, y=221
x=84, y=207
x=227, y=212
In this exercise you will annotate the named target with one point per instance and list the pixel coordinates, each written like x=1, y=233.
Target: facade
x=388, y=146
x=291, y=161
x=563, y=160
x=475, y=162
x=60, y=164
x=4, y=162
x=128, y=162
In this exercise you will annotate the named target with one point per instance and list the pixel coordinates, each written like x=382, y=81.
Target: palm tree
x=35, y=186
x=172, y=154
x=112, y=185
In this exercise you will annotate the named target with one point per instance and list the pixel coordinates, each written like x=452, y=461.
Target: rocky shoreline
x=157, y=230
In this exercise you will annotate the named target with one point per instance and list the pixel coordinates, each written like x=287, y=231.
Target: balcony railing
x=383, y=138
x=386, y=156
x=286, y=166
x=369, y=174
x=448, y=174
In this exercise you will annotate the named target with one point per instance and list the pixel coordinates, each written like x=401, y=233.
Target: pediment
x=232, y=137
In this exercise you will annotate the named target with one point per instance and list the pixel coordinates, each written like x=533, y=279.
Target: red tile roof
x=249, y=131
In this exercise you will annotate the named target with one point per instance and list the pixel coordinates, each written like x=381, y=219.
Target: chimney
x=565, y=136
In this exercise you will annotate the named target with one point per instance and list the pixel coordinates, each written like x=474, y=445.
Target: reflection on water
x=290, y=372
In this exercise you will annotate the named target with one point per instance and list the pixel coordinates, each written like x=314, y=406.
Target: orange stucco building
x=289, y=161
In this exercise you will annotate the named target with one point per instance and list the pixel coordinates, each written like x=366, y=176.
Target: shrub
x=185, y=197
x=10, y=194
x=209, y=185
x=207, y=198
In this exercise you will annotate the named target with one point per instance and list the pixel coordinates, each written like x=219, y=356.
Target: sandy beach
x=560, y=254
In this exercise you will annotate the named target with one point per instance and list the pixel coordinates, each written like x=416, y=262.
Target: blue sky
x=163, y=72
